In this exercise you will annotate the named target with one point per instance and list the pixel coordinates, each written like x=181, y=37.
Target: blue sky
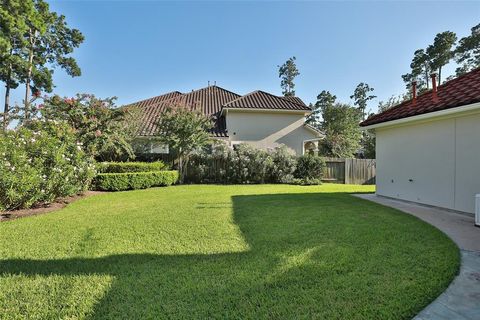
x=139, y=49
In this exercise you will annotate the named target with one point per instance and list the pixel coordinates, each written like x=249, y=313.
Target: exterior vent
x=477, y=210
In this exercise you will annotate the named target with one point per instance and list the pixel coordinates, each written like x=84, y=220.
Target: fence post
x=347, y=171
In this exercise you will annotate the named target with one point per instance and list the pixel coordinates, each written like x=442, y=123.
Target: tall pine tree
x=288, y=72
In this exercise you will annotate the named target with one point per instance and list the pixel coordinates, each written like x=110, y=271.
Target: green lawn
x=236, y=252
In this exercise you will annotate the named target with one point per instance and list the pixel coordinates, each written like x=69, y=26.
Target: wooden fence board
x=337, y=170
x=350, y=171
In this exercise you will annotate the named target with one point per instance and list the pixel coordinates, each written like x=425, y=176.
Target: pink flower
x=69, y=101
x=40, y=106
x=98, y=133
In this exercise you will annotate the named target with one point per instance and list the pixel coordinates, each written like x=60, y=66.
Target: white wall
x=268, y=129
x=442, y=158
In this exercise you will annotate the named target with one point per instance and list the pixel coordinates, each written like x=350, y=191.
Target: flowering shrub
x=208, y=165
x=104, y=130
x=246, y=164
x=283, y=165
x=40, y=162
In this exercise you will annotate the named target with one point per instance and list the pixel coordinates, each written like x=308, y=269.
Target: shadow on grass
x=312, y=256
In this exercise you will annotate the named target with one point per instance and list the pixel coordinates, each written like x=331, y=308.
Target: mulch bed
x=45, y=208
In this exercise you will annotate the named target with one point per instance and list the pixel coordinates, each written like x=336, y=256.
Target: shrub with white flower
x=41, y=162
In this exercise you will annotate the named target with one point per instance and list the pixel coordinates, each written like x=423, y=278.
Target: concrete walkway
x=461, y=300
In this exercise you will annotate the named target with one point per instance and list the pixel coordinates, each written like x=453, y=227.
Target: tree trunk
x=180, y=166
x=27, y=87
x=427, y=78
x=6, y=108
x=439, y=75
x=29, y=76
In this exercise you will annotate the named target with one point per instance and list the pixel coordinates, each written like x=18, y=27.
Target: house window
x=310, y=147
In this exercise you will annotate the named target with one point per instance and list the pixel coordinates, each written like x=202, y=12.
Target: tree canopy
x=288, y=72
x=467, y=53
x=183, y=130
x=33, y=42
x=441, y=51
x=361, y=96
x=104, y=131
x=340, y=126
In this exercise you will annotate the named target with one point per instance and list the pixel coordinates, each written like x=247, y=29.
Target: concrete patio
x=461, y=300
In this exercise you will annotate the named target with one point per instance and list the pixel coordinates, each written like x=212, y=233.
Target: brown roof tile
x=157, y=99
x=295, y=99
x=209, y=100
x=264, y=100
x=458, y=92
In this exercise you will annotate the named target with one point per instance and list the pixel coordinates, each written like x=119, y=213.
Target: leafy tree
x=391, y=102
x=287, y=72
x=34, y=47
x=104, y=131
x=440, y=52
x=324, y=99
x=184, y=131
x=342, y=133
x=13, y=27
x=361, y=97
x=369, y=139
x=467, y=53
x=420, y=71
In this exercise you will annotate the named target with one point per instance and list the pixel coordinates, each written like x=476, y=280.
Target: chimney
x=434, y=87
x=414, y=92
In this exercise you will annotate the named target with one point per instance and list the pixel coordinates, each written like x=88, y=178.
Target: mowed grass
x=225, y=252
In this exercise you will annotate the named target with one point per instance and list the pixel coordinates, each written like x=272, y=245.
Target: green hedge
x=134, y=180
x=124, y=167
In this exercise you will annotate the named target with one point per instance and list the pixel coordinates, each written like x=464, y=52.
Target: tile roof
x=157, y=99
x=295, y=99
x=458, y=92
x=264, y=100
x=209, y=100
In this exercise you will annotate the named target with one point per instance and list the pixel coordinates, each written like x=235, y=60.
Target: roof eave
x=319, y=133
x=474, y=107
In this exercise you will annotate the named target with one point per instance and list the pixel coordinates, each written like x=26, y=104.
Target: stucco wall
x=435, y=163
x=268, y=130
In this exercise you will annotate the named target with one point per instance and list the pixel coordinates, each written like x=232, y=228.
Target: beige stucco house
x=259, y=118
x=428, y=148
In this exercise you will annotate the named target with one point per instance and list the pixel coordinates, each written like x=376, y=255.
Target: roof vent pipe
x=414, y=92
x=434, y=86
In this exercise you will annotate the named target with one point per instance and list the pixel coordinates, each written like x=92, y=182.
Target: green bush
x=124, y=167
x=282, y=166
x=216, y=155
x=41, y=162
x=309, y=167
x=248, y=164
x=134, y=180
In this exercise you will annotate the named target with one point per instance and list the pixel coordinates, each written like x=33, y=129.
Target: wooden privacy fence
x=337, y=170
x=349, y=171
